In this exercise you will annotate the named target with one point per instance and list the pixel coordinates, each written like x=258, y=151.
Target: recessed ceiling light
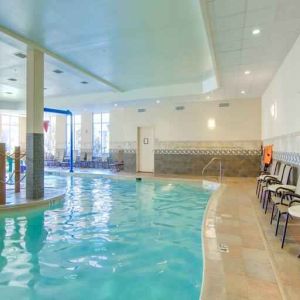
x=12, y=79
x=243, y=92
x=116, y=104
x=20, y=55
x=207, y=97
x=57, y=71
x=256, y=31
x=84, y=82
x=157, y=101
x=247, y=72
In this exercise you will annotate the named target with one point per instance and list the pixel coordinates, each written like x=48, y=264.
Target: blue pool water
x=110, y=239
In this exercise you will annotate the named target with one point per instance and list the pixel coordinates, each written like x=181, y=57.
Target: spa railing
x=220, y=167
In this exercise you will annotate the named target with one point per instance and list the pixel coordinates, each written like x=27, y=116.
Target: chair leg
x=267, y=204
x=277, y=225
x=265, y=195
x=257, y=187
x=259, y=190
x=272, y=216
x=285, y=228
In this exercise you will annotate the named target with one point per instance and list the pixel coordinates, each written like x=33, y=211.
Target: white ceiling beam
x=79, y=68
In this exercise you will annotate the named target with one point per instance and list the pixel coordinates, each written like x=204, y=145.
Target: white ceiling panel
x=238, y=50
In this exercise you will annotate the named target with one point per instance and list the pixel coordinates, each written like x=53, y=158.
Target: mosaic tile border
x=244, y=152
x=210, y=145
x=122, y=150
x=292, y=158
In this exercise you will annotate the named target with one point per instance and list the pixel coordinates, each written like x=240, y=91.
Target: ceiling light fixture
x=157, y=101
x=211, y=123
x=247, y=72
x=20, y=55
x=116, y=104
x=243, y=92
x=57, y=71
x=256, y=31
x=207, y=97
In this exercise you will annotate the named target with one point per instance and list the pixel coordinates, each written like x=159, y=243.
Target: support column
x=34, y=125
x=2, y=174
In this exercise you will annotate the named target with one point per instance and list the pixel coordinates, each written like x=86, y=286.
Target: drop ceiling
x=159, y=49
x=237, y=50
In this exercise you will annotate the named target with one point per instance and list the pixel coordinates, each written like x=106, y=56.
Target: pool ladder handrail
x=210, y=162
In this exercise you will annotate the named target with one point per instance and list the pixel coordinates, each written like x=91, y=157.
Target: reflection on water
x=111, y=239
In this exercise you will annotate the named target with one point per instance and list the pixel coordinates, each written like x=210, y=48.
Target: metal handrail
x=210, y=162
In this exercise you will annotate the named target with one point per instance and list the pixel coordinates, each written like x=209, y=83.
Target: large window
x=10, y=131
x=49, y=134
x=77, y=133
x=100, y=134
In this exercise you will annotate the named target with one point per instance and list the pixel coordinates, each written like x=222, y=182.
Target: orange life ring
x=268, y=150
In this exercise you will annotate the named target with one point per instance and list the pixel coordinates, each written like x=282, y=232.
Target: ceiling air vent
x=141, y=110
x=57, y=71
x=226, y=104
x=12, y=79
x=179, y=107
x=20, y=55
x=84, y=82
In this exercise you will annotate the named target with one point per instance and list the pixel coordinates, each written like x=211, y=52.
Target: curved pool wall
x=110, y=239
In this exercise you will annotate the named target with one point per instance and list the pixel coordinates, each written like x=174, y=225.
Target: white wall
x=282, y=97
x=284, y=93
x=241, y=121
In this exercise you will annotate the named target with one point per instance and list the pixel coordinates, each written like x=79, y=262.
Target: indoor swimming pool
x=111, y=238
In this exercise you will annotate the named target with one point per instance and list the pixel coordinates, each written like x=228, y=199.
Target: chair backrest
x=281, y=171
x=89, y=156
x=83, y=156
x=297, y=191
x=274, y=167
x=60, y=154
x=286, y=174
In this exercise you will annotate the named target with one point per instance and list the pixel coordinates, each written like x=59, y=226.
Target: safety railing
x=220, y=167
x=16, y=173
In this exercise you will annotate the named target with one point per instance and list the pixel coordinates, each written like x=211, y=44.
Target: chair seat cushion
x=274, y=187
x=282, y=208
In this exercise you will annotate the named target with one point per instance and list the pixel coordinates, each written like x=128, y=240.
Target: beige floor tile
x=262, y=290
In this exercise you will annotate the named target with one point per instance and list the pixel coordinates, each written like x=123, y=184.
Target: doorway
x=145, y=157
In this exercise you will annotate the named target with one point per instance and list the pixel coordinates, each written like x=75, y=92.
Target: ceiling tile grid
x=238, y=50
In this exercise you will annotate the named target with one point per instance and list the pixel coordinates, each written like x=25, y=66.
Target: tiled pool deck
x=255, y=267
x=18, y=201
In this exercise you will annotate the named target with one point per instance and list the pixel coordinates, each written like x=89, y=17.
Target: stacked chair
x=273, y=188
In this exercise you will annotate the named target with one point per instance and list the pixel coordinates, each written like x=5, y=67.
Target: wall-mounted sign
x=146, y=141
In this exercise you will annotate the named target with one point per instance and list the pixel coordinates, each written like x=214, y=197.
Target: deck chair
x=281, y=203
x=266, y=179
x=274, y=184
x=263, y=175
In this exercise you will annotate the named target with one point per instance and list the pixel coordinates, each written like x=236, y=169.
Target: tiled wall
x=287, y=149
x=241, y=159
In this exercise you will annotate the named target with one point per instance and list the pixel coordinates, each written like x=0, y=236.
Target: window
x=100, y=134
x=49, y=134
x=10, y=132
x=77, y=133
